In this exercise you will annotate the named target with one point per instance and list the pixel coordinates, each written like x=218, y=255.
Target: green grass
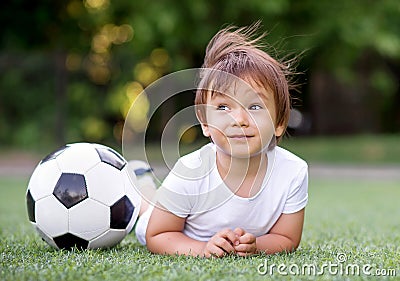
x=355, y=149
x=358, y=149
x=356, y=218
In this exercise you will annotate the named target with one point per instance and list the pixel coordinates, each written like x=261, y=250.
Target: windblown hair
x=239, y=52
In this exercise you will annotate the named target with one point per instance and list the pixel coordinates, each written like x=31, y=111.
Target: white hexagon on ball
x=105, y=183
x=109, y=239
x=51, y=216
x=44, y=179
x=89, y=219
x=79, y=159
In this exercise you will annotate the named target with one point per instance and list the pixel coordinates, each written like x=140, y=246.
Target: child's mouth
x=240, y=137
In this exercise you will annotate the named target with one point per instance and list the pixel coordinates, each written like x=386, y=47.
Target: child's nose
x=240, y=117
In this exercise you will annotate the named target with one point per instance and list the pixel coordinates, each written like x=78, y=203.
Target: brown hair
x=238, y=52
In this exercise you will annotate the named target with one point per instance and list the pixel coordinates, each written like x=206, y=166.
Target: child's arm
x=164, y=236
x=285, y=235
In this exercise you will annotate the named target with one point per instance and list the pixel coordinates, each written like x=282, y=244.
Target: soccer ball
x=83, y=195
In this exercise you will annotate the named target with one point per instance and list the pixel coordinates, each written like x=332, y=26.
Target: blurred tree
x=353, y=64
x=42, y=33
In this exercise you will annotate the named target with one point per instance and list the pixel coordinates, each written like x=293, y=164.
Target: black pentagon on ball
x=121, y=213
x=54, y=154
x=70, y=189
x=109, y=156
x=30, y=205
x=68, y=241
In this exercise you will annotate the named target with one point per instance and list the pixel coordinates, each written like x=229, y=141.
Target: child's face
x=239, y=120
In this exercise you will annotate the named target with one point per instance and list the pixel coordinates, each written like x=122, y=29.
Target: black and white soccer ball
x=83, y=195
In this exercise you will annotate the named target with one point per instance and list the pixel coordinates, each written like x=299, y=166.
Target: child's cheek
x=219, y=120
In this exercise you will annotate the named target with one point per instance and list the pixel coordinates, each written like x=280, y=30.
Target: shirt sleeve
x=298, y=194
x=173, y=197
x=179, y=192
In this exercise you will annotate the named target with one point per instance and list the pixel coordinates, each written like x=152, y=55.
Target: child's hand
x=247, y=243
x=221, y=244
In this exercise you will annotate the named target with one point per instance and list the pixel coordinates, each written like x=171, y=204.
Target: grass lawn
x=365, y=149
x=353, y=220
x=354, y=149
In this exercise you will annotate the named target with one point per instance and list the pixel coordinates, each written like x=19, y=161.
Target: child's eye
x=255, y=107
x=222, y=107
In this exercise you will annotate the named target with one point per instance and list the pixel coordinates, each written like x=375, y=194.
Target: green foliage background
x=61, y=80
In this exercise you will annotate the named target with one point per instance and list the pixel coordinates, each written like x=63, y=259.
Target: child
x=239, y=194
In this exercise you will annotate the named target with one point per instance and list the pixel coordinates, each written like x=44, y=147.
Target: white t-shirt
x=194, y=190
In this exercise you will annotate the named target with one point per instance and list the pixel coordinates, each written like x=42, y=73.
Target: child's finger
x=224, y=244
x=239, y=231
x=219, y=246
x=243, y=254
x=242, y=248
x=214, y=251
x=245, y=248
x=247, y=238
x=230, y=236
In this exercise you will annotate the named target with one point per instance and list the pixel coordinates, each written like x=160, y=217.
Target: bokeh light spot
x=94, y=129
x=138, y=107
x=159, y=57
x=123, y=33
x=96, y=4
x=145, y=73
x=73, y=62
x=187, y=135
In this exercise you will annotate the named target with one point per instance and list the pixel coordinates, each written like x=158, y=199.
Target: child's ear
x=279, y=130
x=203, y=123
